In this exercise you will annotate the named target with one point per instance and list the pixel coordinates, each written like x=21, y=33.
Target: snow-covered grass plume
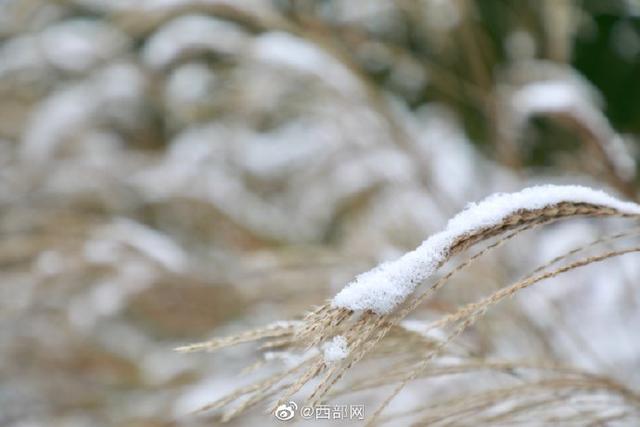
x=384, y=287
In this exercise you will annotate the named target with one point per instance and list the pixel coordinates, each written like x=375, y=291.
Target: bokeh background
x=172, y=170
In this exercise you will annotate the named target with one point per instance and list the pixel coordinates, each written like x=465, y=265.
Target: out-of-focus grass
x=171, y=171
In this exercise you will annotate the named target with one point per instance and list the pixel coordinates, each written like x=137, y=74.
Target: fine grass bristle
x=366, y=331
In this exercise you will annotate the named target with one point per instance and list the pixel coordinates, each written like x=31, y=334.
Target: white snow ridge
x=336, y=349
x=384, y=287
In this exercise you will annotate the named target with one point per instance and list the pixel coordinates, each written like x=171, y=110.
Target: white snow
x=336, y=349
x=190, y=32
x=434, y=125
x=575, y=97
x=284, y=50
x=549, y=96
x=190, y=83
x=113, y=92
x=79, y=44
x=387, y=285
x=152, y=243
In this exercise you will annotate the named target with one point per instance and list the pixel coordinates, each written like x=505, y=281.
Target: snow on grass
x=384, y=287
x=336, y=349
x=576, y=98
x=152, y=243
x=295, y=53
x=551, y=96
x=192, y=32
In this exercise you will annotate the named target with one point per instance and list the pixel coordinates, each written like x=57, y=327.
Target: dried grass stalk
x=363, y=330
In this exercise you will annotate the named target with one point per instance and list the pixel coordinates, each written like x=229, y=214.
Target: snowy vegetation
x=441, y=193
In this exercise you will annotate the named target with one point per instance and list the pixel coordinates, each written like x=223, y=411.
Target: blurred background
x=173, y=170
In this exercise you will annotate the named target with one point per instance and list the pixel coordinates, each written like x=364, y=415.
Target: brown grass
x=364, y=332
